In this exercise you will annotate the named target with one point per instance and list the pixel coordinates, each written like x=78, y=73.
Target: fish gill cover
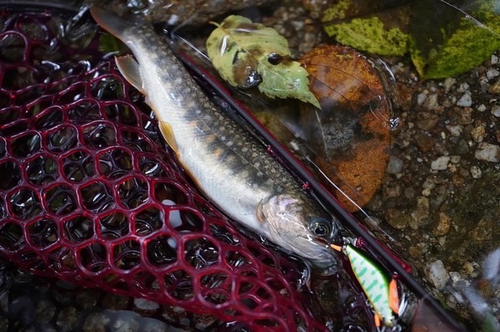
x=90, y=193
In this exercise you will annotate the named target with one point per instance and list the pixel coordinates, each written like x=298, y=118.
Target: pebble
x=145, y=305
x=465, y=100
x=481, y=108
x=437, y=274
x=419, y=216
x=494, y=59
x=421, y=99
x=397, y=219
x=476, y=172
x=492, y=73
x=96, y=322
x=478, y=133
x=448, y=83
x=455, y=130
x=495, y=110
x=495, y=88
x=440, y=164
x=427, y=120
x=395, y=165
x=443, y=224
x=424, y=142
x=488, y=152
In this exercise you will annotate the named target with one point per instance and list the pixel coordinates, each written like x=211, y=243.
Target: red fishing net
x=90, y=193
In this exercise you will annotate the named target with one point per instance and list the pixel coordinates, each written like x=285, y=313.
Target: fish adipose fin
x=168, y=134
x=129, y=68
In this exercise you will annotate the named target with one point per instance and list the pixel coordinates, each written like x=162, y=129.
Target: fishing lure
x=381, y=293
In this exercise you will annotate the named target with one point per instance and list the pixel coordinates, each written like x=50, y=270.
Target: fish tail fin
x=110, y=21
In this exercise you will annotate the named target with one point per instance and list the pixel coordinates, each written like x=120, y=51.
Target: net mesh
x=90, y=193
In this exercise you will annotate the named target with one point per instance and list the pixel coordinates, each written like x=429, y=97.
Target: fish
x=226, y=162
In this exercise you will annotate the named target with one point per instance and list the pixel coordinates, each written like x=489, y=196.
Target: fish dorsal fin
x=168, y=134
x=129, y=68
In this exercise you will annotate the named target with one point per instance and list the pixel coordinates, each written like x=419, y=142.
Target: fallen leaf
x=351, y=135
x=249, y=54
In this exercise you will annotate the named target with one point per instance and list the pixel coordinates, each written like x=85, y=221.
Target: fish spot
x=223, y=138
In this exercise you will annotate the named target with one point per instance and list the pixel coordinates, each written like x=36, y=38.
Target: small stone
x=471, y=268
x=421, y=99
x=45, y=311
x=465, y=100
x=463, y=87
x=448, y=83
x=476, y=172
x=145, y=307
x=426, y=192
x=395, y=165
x=455, y=130
x=96, y=322
x=488, y=152
x=443, y=224
x=68, y=318
x=495, y=110
x=397, y=219
x=492, y=73
x=427, y=120
x=493, y=59
x=481, y=108
x=478, y=133
x=424, y=142
x=464, y=115
x=495, y=88
x=436, y=274
x=421, y=213
x=440, y=164
x=455, y=159
x=432, y=102
x=461, y=147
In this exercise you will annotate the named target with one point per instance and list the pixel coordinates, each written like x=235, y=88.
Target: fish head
x=295, y=222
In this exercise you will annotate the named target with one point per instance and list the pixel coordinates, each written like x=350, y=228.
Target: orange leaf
x=351, y=134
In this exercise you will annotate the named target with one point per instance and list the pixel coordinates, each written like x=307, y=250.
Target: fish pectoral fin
x=129, y=68
x=168, y=133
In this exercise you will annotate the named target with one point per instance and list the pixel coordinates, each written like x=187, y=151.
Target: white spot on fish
x=223, y=138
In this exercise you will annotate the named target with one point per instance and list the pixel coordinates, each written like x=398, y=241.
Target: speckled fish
x=227, y=163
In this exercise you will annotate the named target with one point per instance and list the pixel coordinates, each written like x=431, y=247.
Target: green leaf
x=243, y=52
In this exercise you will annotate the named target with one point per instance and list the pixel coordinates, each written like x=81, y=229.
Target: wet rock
x=477, y=134
x=455, y=130
x=488, y=152
x=44, y=311
x=145, y=307
x=395, y=165
x=443, y=224
x=67, y=318
x=96, y=322
x=492, y=73
x=115, y=302
x=495, y=110
x=465, y=100
x=495, y=88
x=424, y=142
x=427, y=120
x=397, y=219
x=87, y=298
x=476, y=172
x=126, y=323
x=420, y=215
x=437, y=274
x=440, y=164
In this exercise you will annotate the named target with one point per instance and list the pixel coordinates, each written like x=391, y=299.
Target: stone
x=395, y=165
x=448, y=83
x=443, y=224
x=421, y=213
x=495, y=88
x=455, y=130
x=481, y=108
x=494, y=59
x=488, y=152
x=465, y=100
x=397, y=219
x=464, y=116
x=96, y=322
x=476, y=172
x=436, y=274
x=440, y=164
x=426, y=120
x=492, y=73
x=495, y=110
x=424, y=142
x=477, y=134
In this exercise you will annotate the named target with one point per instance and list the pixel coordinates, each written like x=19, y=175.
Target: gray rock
x=495, y=110
x=440, y=164
x=488, y=152
x=395, y=165
x=436, y=274
x=465, y=100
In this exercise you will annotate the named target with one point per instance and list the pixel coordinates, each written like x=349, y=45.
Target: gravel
x=437, y=275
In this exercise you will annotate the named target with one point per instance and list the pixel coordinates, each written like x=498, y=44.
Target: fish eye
x=275, y=59
x=320, y=226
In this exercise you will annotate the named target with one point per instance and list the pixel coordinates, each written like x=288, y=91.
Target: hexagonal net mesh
x=90, y=193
